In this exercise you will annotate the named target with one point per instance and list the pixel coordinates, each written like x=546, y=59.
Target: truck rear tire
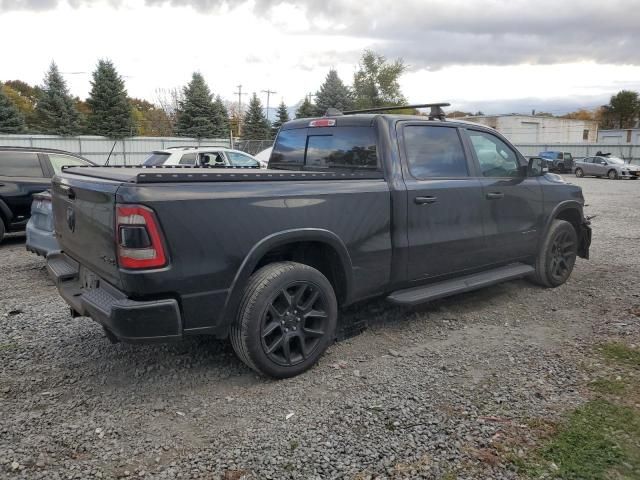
x=557, y=255
x=2, y=229
x=286, y=320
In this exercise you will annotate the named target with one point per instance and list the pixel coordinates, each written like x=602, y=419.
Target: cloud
x=430, y=34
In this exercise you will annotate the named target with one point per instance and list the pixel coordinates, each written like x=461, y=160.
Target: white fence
x=629, y=152
x=129, y=151
x=133, y=150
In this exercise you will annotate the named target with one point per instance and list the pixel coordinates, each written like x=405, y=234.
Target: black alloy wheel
x=294, y=323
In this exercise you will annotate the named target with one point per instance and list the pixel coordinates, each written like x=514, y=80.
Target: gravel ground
x=443, y=391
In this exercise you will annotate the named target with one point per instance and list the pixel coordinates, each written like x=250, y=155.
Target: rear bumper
x=127, y=320
x=41, y=242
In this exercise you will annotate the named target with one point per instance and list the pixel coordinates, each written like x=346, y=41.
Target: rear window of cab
x=332, y=148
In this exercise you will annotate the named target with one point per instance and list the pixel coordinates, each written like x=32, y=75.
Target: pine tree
x=197, y=115
x=333, y=93
x=221, y=119
x=282, y=116
x=10, y=119
x=56, y=110
x=255, y=125
x=110, y=113
x=376, y=84
x=306, y=109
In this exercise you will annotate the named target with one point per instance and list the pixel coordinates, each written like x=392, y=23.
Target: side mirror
x=537, y=167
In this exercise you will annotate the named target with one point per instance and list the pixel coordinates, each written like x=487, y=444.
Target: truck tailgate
x=83, y=210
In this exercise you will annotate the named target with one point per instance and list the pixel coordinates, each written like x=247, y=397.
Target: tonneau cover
x=140, y=174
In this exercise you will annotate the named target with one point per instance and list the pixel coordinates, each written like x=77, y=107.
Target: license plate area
x=88, y=280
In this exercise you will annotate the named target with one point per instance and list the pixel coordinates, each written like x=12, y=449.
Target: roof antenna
x=114, y=146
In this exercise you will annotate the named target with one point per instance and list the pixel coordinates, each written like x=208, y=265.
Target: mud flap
x=584, y=240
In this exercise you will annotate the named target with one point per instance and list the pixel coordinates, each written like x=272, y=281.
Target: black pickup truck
x=411, y=208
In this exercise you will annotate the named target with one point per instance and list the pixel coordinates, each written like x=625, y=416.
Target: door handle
x=425, y=200
x=495, y=195
x=1, y=184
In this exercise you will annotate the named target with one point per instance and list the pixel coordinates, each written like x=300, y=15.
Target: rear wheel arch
x=317, y=248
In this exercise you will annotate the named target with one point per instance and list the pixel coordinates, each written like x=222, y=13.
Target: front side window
x=59, y=161
x=212, y=159
x=20, y=164
x=496, y=159
x=434, y=152
x=238, y=159
x=342, y=147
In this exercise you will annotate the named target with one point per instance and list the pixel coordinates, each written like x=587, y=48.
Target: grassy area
x=601, y=439
x=618, y=352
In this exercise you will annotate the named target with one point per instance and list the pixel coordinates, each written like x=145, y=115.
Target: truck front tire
x=557, y=255
x=286, y=320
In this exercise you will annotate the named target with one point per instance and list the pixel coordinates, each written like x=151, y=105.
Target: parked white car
x=263, y=156
x=201, y=156
x=606, y=166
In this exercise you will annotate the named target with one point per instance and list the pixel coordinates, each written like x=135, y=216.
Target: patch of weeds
x=288, y=467
x=8, y=346
x=293, y=444
x=621, y=353
x=597, y=438
x=608, y=387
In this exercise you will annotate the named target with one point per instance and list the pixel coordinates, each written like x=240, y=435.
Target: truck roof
x=368, y=119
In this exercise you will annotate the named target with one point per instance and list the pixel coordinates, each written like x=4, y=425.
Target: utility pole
x=239, y=93
x=268, y=92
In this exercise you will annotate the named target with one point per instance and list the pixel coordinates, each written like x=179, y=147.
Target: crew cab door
x=21, y=175
x=511, y=201
x=444, y=225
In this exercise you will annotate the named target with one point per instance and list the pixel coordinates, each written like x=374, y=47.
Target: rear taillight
x=138, y=238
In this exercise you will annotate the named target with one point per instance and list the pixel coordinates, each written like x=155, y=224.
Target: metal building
x=540, y=129
x=620, y=137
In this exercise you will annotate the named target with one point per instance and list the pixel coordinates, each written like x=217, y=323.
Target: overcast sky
x=490, y=55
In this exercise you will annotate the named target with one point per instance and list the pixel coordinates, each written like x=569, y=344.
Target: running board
x=426, y=293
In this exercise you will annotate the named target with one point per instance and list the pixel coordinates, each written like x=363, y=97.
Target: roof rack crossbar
x=435, y=113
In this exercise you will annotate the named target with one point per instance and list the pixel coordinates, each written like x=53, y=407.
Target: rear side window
x=325, y=149
x=434, y=152
x=348, y=147
x=156, y=159
x=58, y=161
x=188, y=159
x=20, y=164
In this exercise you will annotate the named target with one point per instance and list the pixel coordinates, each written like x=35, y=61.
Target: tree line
x=191, y=111
x=194, y=111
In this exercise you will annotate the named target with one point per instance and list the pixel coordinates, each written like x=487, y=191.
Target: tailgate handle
x=71, y=195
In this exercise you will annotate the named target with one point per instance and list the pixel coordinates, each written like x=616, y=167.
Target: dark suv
x=23, y=172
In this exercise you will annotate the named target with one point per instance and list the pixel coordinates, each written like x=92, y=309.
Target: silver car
x=606, y=166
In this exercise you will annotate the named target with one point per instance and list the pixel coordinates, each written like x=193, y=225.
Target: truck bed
x=139, y=175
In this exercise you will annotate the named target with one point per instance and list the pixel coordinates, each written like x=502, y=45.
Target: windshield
x=156, y=159
x=615, y=160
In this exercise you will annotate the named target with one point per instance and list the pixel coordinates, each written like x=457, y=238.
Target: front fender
x=276, y=240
